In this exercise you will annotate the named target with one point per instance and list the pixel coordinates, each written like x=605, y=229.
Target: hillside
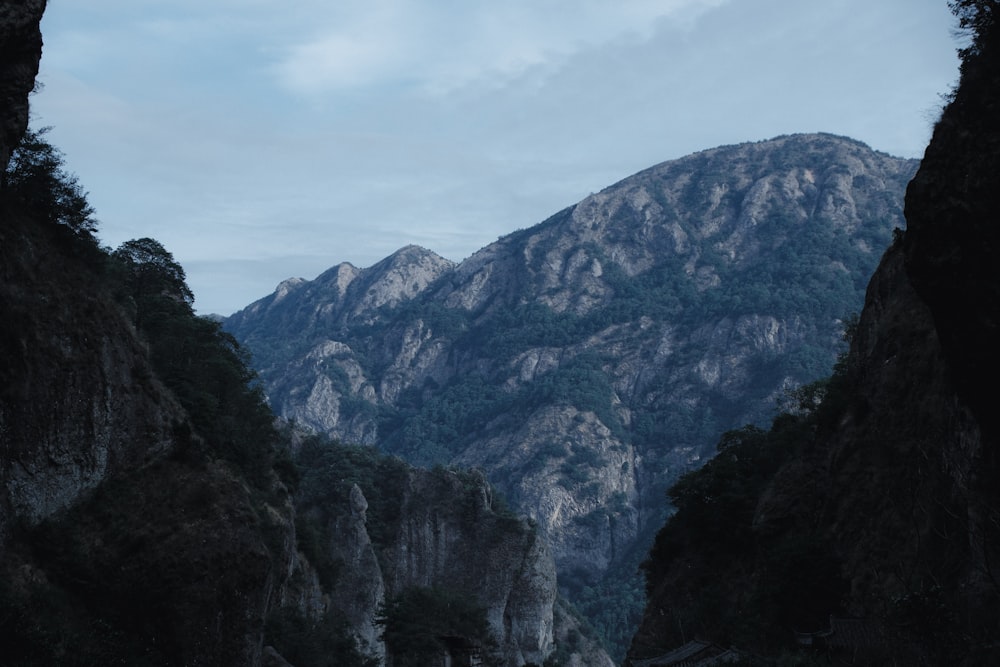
x=867, y=522
x=585, y=363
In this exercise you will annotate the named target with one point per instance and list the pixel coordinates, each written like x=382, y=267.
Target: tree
x=152, y=271
x=36, y=179
x=417, y=623
x=976, y=19
x=201, y=364
x=154, y=283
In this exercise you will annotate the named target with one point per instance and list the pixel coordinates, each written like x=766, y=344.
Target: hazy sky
x=264, y=139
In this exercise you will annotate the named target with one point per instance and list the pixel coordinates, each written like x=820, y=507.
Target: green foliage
x=204, y=367
x=433, y=428
x=151, y=275
x=580, y=382
x=513, y=330
x=976, y=19
x=613, y=606
x=712, y=537
x=416, y=625
x=328, y=471
x=37, y=181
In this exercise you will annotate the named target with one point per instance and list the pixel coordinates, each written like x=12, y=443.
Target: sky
x=260, y=140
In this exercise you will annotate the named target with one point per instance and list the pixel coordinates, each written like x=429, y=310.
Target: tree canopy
x=36, y=179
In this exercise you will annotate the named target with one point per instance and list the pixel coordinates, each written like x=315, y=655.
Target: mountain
x=152, y=511
x=587, y=362
x=867, y=522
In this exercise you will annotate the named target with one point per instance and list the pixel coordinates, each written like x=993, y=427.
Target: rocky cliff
x=892, y=488
x=376, y=530
x=588, y=361
x=20, y=52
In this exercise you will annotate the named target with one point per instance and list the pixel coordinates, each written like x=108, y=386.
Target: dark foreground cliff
x=151, y=513
x=864, y=527
x=151, y=510
x=139, y=527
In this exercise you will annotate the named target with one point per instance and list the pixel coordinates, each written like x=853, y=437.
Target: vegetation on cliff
x=713, y=574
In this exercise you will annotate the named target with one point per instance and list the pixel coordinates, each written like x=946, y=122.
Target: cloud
x=443, y=46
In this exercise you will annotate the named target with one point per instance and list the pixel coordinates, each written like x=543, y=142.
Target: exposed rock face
x=122, y=533
x=91, y=440
x=360, y=590
x=105, y=414
x=443, y=534
x=586, y=362
x=590, y=525
x=466, y=546
x=20, y=51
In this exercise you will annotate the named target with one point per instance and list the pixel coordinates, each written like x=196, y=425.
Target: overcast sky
x=264, y=139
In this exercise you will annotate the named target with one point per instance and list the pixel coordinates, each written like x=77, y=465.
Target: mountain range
x=587, y=362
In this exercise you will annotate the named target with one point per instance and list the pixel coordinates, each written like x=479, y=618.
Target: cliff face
x=387, y=529
x=464, y=544
x=152, y=552
x=107, y=531
x=80, y=402
x=20, y=51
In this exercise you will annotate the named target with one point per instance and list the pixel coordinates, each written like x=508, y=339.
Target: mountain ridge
x=605, y=349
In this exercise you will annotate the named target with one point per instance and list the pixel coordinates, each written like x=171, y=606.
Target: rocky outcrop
x=360, y=590
x=20, y=52
x=435, y=530
x=589, y=516
x=99, y=506
x=80, y=402
x=467, y=546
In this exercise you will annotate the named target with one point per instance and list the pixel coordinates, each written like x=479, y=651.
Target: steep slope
x=588, y=361
x=110, y=519
x=897, y=483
